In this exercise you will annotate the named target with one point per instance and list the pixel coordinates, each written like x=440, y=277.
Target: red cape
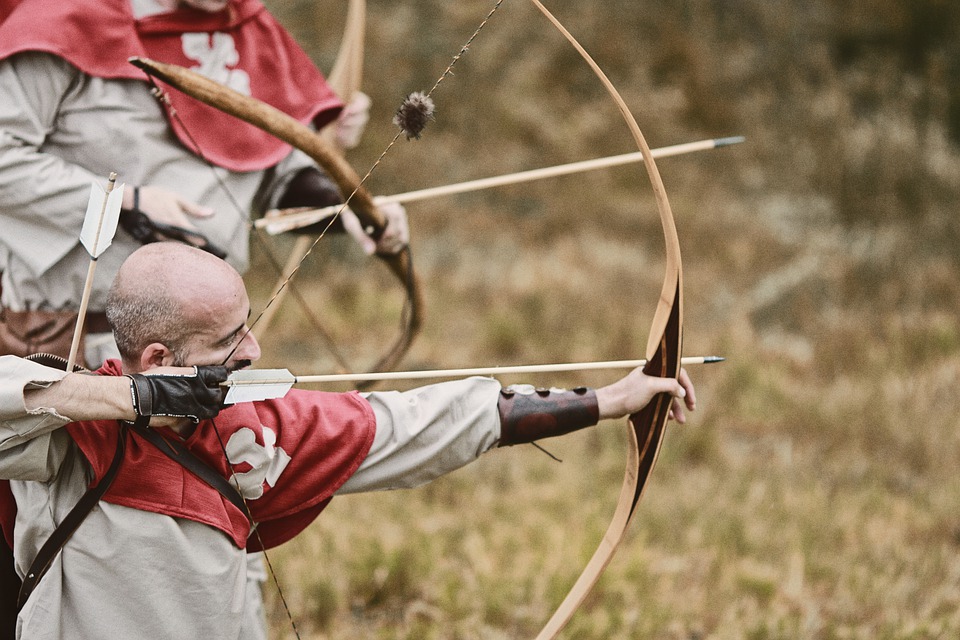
x=305, y=446
x=98, y=36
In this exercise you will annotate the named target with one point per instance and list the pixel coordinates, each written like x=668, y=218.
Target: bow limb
x=345, y=79
x=346, y=76
x=646, y=428
x=300, y=136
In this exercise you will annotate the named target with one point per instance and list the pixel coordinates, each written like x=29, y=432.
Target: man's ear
x=156, y=355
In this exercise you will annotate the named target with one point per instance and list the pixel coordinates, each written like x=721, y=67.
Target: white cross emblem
x=216, y=53
x=267, y=461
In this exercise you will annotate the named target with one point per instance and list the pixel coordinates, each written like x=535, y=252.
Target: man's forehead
x=234, y=315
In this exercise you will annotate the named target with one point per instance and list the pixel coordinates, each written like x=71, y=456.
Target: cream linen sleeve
x=17, y=423
x=427, y=432
x=43, y=196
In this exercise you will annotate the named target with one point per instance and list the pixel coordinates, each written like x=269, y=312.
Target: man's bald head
x=166, y=292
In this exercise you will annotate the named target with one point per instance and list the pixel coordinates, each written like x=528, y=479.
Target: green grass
x=813, y=494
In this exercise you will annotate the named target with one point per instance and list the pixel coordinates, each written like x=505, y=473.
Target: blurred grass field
x=814, y=493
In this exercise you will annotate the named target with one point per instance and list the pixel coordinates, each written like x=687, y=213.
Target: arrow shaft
x=276, y=225
x=559, y=170
x=475, y=371
x=82, y=313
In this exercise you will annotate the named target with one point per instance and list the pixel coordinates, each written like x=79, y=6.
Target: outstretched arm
x=427, y=432
x=528, y=414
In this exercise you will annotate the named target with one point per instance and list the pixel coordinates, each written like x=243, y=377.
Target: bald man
x=173, y=565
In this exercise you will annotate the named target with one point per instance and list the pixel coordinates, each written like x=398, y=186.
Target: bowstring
x=329, y=342
x=163, y=98
x=446, y=72
x=255, y=530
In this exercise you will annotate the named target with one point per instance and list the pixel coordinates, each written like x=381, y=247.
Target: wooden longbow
x=324, y=154
x=646, y=428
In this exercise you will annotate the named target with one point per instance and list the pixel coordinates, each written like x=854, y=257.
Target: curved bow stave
x=302, y=137
x=645, y=428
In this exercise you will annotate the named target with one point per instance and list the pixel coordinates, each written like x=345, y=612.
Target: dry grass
x=814, y=493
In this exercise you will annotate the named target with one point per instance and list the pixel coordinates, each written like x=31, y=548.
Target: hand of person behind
x=166, y=207
x=396, y=234
x=353, y=121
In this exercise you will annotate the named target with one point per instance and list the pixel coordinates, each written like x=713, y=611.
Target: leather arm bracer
x=528, y=414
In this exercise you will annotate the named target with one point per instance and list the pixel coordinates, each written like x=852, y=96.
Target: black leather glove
x=198, y=396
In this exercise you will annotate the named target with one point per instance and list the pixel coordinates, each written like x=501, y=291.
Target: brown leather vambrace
x=528, y=414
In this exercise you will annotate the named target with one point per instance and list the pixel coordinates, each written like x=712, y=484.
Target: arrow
x=99, y=227
x=275, y=222
x=264, y=384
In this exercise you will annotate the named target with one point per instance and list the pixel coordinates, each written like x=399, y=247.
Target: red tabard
x=242, y=46
x=289, y=455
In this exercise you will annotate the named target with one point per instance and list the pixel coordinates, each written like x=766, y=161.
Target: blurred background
x=814, y=492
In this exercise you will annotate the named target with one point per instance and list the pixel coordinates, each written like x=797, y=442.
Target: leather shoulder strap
x=62, y=534
x=69, y=525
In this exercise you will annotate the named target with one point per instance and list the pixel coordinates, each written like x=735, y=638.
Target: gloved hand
x=197, y=396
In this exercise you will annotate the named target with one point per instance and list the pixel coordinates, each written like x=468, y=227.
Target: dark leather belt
x=96, y=322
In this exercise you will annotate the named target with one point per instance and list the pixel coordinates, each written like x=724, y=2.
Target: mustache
x=239, y=364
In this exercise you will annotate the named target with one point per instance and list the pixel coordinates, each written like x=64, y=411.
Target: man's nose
x=248, y=349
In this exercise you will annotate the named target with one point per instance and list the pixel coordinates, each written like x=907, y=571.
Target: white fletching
x=100, y=222
x=253, y=385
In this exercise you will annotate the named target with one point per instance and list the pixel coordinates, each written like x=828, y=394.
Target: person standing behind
x=72, y=110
